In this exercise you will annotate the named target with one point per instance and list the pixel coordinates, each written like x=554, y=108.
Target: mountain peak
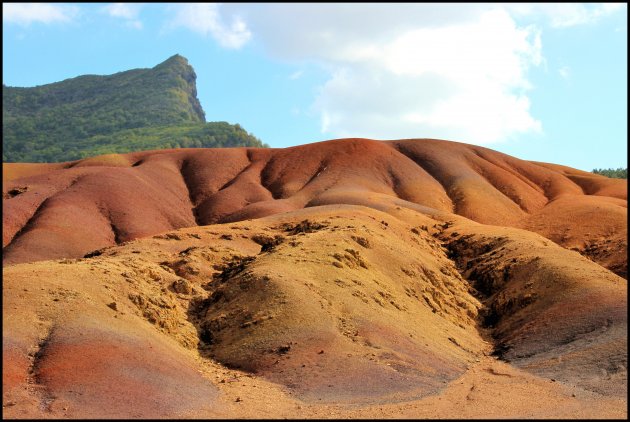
x=59, y=121
x=174, y=60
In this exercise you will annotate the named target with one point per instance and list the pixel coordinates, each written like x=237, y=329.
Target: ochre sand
x=397, y=292
x=70, y=209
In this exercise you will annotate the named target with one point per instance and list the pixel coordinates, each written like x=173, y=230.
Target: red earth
x=70, y=209
x=349, y=278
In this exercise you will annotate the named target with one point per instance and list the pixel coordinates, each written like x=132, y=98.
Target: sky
x=542, y=82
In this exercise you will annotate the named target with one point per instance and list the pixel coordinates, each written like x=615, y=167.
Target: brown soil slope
x=102, y=201
x=333, y=311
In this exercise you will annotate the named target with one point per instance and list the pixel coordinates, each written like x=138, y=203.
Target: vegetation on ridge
x=207, y=135
x=619, y=173
x=129, y=111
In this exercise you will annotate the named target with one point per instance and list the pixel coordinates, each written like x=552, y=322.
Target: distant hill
x=128, y=111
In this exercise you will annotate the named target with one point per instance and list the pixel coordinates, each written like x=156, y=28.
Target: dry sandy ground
x=346, y=279
x=489, y=389
x=70, y=209
x=337, y=311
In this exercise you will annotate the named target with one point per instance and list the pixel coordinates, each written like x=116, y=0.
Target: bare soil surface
x=64, y=210
x=345, y=279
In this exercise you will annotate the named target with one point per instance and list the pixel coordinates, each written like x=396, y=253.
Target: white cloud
x=562, y=15
x=340, y=31
x=205, y=19
x=122, y=10
x=413, y=70
x=26, y=13
x=135, y=24
x=296, y=75
x=126, y=11
x=564, y=72
x=454, y=71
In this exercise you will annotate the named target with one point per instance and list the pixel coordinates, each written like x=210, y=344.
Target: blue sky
x=542, y=82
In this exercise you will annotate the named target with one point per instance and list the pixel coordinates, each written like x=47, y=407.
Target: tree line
x=618, y=173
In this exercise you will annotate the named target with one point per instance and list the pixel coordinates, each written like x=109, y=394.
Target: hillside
x=117, y=198
x=351, y=278
x=129, y=111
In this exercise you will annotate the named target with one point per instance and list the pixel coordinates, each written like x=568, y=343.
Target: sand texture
x=343, y=279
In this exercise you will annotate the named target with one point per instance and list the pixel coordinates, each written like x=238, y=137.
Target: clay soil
x=344, y=279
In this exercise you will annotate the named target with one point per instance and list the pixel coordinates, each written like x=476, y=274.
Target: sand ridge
x=77, y=207
x=342, y=279
x=334, y=311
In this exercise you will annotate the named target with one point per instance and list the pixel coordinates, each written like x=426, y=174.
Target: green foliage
x=201, y=135
x=619, y=173
x=129, y=111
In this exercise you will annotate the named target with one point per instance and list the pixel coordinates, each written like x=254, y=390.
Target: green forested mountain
x=88, y=115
